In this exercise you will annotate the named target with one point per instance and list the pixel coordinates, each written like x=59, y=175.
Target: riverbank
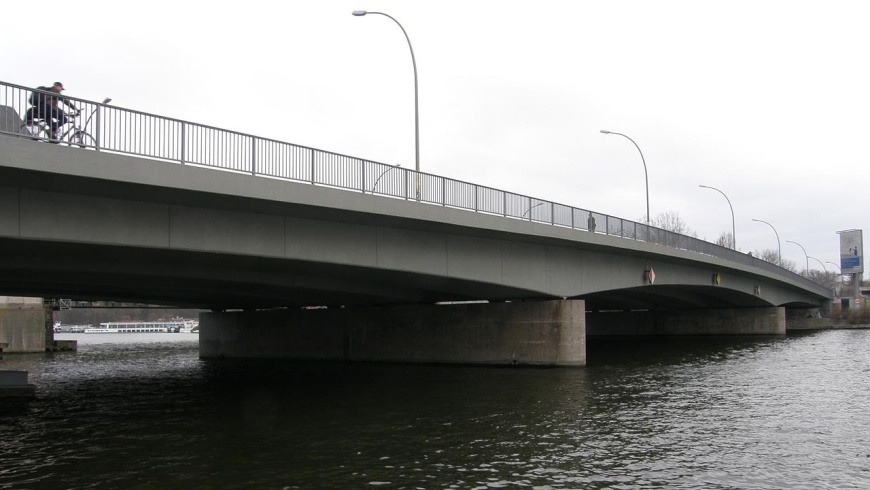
x=824, y=324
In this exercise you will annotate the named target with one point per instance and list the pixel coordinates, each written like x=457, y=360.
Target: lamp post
x=820, y=263
x=733, y=229
x=645, y=174
x=805, y=254
x=778, y=244
x=361, y=13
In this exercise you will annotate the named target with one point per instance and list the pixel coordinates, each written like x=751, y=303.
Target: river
x=143, y=411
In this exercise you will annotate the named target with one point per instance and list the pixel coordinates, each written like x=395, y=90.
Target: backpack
x=36, y=97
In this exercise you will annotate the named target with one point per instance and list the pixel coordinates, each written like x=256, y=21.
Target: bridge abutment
x=533, y=333
x=722, y=321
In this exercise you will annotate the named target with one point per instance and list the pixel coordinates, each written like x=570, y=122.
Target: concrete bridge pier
x=722, y=321
x=23, y=324
x=533, y=333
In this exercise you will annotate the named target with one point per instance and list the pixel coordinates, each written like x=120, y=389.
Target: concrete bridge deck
x=83, y=224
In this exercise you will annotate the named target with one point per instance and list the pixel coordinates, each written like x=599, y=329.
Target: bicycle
x=74, y=135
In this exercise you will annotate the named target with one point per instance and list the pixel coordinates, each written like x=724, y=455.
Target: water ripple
x=694, y=413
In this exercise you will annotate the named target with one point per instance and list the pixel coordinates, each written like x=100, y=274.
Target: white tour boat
x=169, y=326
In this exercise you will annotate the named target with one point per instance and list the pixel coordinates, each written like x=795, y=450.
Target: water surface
x=143, y=411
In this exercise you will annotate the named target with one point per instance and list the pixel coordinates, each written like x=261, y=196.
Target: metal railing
x=138, y=133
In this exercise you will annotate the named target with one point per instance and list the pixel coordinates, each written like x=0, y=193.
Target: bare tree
x=772, y=256
x=671, y=221
x=827, y=279
x=726, y=239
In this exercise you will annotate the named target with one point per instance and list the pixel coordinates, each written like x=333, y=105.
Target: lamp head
x=605, y=131
x=359, y=13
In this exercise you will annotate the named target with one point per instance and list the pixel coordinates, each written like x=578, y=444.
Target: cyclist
x=46, y=106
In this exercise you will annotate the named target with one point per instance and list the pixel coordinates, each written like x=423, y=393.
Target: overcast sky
x=765, y=100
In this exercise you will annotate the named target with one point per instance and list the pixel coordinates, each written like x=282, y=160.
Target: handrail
x=128, y=131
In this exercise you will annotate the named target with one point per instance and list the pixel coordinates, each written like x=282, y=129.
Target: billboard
x=851, y=251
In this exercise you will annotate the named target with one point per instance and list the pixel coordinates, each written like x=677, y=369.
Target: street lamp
x=820, y=263
x=805, y=254
x=645, y=174
x=835, y=265
x=733, y=229
x=778, y=244
x=360, y=13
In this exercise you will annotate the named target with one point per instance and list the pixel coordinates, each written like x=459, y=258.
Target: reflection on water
x=689, y=413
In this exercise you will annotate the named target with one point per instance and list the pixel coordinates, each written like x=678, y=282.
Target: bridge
x=264, y=232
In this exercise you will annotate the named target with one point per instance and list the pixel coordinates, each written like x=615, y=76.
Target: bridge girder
x=99, y=226
x=220, y=281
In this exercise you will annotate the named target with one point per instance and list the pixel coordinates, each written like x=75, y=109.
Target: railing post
x=99, y=126
x=552, y=213
x=312, y=167
x=405, y=183
x=476, y=192
x=183, y=143
x=253, y=155
x=504, y=204
x=443, y=191
x=362, y=186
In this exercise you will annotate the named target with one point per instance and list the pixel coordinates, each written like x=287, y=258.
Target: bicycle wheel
x=82, y=139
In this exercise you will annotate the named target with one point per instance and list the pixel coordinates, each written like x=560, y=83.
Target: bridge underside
x=671, y=297
x=223, y=281
x=217, y=281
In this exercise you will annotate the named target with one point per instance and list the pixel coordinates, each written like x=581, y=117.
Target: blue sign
x=850, y=262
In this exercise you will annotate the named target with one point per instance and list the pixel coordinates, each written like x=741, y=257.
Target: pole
x=778, y=244
x=645, y=174
x=805, y=254
x=733, y=228
x=820, y=263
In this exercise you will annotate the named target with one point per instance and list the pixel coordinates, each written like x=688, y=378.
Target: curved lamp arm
x=733, y=228
x=778, y=244
x=361, y=13
x=645, y=173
